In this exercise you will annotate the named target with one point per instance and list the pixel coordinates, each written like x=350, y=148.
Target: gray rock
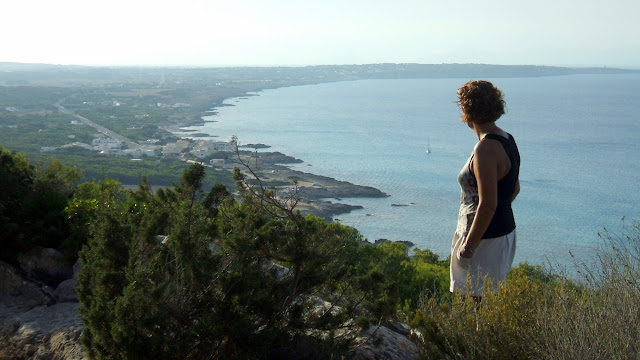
x=31, y=295
x=66, y=291
x=46, y=332
x=10, y=280
x=19, y=295
x=45, y=264
x=383, y=343
x=31, y=325
x=400, y=328
x=49, y=319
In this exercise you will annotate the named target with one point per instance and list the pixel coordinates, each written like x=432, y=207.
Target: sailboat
x=428, y=148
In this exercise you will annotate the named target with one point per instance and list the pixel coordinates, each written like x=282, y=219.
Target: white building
x=201, y=152
x=140, y=152
x=175, y=148
x=112, y=152
x=78, y=144
x=205, y=148
x=106, y=144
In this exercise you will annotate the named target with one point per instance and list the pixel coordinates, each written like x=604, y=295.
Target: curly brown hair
x=480, y=102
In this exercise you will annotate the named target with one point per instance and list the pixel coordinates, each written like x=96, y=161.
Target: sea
x=578, y=136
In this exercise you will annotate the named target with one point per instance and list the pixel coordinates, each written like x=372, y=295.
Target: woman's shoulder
x=489, y=151
x=488, y=145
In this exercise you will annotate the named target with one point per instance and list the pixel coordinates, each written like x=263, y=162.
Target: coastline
x=329, y=205
x=319, y=195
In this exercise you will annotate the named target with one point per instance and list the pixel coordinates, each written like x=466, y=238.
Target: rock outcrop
x=390, y=341
x=39, y=316
x=45, y=264
x=409, y=244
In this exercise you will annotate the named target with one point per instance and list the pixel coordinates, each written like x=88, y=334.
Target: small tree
x=32, y=203
x=104, y=259
x=16, y=179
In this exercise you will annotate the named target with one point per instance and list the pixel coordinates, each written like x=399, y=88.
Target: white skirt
x=491, y=261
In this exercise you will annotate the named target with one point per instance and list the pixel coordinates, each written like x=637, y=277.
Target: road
x=130, y=144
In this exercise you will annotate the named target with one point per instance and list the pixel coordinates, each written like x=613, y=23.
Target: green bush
x=32, y=203
x=405, y=279
x=231, y=279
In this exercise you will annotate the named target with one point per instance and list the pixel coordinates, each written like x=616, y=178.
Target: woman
x=485, y=239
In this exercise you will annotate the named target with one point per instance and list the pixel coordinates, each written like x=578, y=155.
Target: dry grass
x=547, y=317
x=61, y=345
x=11, y=349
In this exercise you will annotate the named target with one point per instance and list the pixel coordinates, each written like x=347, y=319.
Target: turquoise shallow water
x=578, y=138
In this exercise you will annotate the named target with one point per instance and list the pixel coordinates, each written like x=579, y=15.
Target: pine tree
x=185, y=273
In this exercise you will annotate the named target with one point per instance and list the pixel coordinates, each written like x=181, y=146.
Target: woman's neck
x=482, y=130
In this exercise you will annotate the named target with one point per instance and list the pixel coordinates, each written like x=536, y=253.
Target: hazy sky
x=306, y=32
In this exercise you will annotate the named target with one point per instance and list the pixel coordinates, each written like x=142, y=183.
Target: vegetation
x=183, y=272
x=158, y=172
x=134, y=122
x=190, y=271
x=28, y=133
x=164, y=270
x=540, y=315
x=32, y=203
x=32, y=98
x=228, y=279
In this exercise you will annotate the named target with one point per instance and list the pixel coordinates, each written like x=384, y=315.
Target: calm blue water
x=578, y=139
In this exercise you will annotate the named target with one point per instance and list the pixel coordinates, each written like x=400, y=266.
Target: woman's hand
x=465, y=252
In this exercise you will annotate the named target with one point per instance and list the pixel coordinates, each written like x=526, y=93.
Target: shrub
x=32, y=203
x=596, y=318
x=231, y=279
x=405, y=279
x=493, y=329
x=537, y=314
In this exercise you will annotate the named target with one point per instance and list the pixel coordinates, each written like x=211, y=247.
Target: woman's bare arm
x=485, y=168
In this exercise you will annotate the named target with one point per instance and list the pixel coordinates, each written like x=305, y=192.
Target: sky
x=327, y=32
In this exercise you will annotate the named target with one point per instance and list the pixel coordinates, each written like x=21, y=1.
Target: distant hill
x=39, y=74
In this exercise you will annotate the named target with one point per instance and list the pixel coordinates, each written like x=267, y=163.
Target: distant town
x=106, y=142
x=200, y=149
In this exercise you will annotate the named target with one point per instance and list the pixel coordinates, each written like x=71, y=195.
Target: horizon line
x=202, y=66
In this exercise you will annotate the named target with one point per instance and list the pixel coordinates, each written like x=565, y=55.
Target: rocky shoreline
x=319, y=195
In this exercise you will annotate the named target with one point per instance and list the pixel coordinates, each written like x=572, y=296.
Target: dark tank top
x=503, y=221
